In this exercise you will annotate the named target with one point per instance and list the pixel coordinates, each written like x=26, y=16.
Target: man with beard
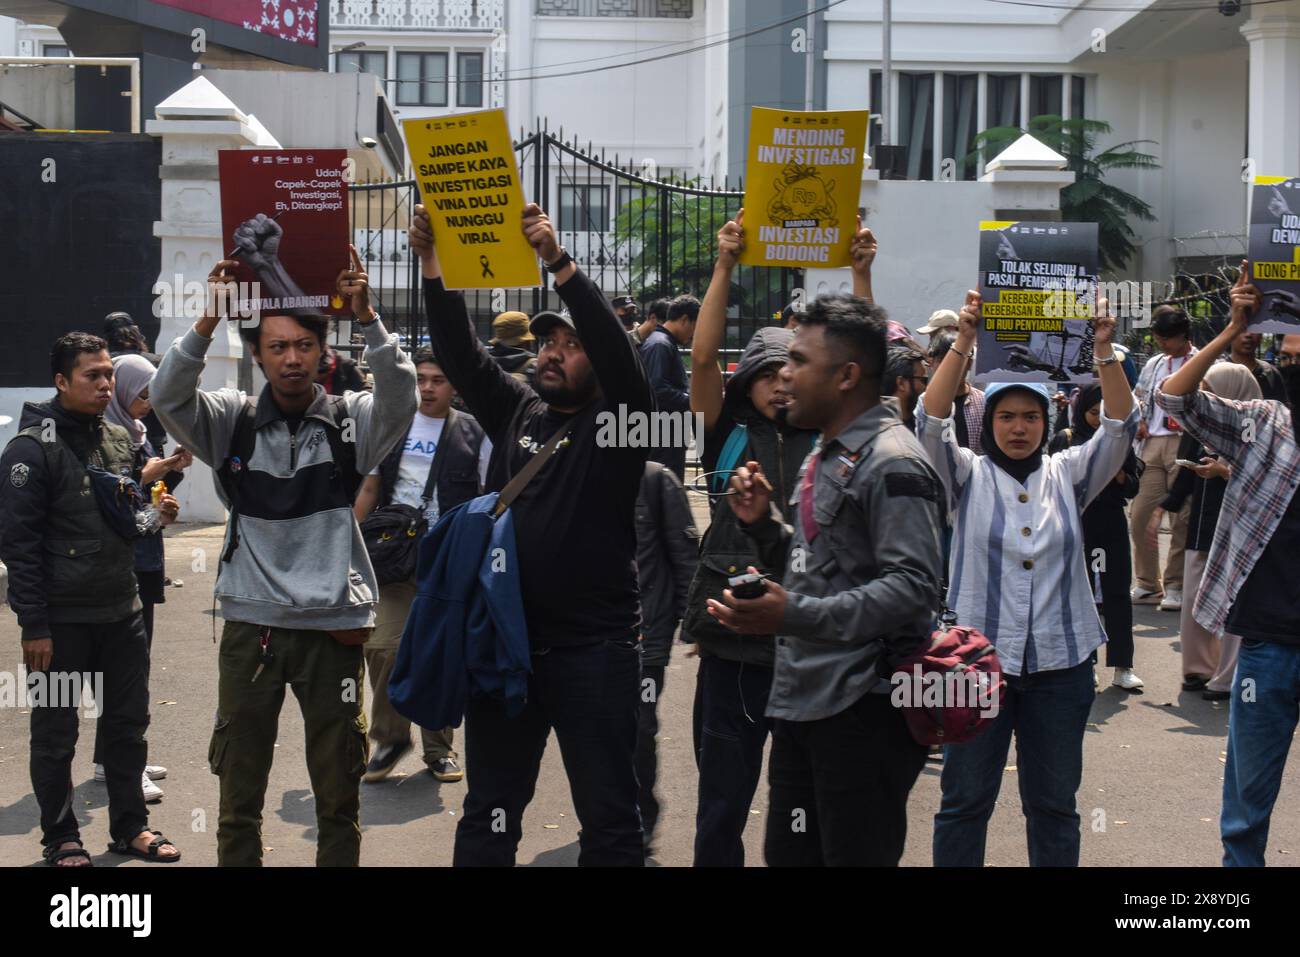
x=861, y=572
x=1248, y=588
x=574, y=526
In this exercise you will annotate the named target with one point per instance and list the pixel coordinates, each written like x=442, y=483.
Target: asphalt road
x=1153, y=767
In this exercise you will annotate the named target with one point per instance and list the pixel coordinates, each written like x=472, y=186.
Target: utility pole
x=810, y=58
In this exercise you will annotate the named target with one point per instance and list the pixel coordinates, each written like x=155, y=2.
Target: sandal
x=127, y=849
x=53, y=855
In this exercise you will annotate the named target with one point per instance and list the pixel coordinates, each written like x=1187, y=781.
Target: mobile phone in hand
x=747, y=586
x=1189, y=464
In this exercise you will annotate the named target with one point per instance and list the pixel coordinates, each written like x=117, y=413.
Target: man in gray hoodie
x=296, y=587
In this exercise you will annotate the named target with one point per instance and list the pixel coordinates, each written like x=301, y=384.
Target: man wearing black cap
x=576, y=538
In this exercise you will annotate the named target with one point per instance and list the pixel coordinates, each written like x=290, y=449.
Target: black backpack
x=240, y=451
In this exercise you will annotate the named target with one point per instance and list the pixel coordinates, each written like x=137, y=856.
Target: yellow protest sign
x=469, y=183
x=801, y=186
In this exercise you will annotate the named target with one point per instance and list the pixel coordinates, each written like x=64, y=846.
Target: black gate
x=635, y=230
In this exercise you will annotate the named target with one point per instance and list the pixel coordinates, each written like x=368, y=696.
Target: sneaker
x=152, y=771
x=1144, y=596
x=1173, y=600
x=387, y=757
x=446, y=769
x=152, y=792
x=1126, y=679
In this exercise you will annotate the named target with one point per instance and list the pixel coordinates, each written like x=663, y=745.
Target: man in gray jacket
x=296, y=587
x=861, y=581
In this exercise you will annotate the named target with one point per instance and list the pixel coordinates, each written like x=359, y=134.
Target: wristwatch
x=560, y=263
x=374, y=317
x=1110, y=360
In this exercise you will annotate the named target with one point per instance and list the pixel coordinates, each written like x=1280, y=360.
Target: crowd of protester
x=858, y=486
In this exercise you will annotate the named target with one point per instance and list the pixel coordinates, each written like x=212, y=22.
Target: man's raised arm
x=490, y=393
x=613, y=358
x=202, y=422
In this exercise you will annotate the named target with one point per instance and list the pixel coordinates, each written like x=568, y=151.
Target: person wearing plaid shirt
x=1248, y=586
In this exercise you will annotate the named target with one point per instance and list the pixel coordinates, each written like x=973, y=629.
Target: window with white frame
x=54, y=49
x=422, y=79
x=584, y=207
x=374, y=62
x=469, y=78
x=960, y=125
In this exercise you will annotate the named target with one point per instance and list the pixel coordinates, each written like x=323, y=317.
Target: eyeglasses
x=1286, y=359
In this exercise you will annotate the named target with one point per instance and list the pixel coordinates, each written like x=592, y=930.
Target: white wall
x=8, y=36
x=11, y=405
x=45, y=93
x=653, y=111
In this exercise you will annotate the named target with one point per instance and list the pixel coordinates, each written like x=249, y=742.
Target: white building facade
x=1214, y=96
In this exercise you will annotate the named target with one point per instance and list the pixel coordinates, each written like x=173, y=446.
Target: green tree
x=1089, y=199
x=685, y=227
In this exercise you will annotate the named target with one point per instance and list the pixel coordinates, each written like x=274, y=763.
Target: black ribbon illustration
x=487, y=267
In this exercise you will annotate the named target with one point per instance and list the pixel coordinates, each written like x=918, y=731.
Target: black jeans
x=730, y=731
x=1106, y=537
x=589, y=695
x=840, y=787
x=647, y=755
x=118, y=651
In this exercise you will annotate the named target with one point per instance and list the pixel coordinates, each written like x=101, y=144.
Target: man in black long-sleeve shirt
x=667, y=376
x=576, y=539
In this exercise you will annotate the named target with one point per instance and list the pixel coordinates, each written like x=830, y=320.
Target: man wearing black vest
x=440, y=463
x=296, y=586
x=576, y=541
x=72, y=585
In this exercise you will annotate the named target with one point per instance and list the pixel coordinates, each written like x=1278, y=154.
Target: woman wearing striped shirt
x=1018, y=574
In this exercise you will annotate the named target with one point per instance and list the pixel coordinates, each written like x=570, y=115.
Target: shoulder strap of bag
x=439, y=458
x=343, y=453
x=520, y=481
x=239, y=452
x=732, y=449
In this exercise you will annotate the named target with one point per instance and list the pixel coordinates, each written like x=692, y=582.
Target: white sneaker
x=152, y=792
x=1173, y=600
x=1144, y=596
x=152, y=771
x=1126, y=679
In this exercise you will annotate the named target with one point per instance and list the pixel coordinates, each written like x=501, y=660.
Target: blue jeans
x=1260, y=726
x=589, y=694
x=731, y=729
x=1048, y=711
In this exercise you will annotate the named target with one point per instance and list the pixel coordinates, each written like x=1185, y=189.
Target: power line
x=1137, y=7
x=725, y=39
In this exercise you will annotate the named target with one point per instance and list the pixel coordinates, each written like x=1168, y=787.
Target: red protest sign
x=284, y=219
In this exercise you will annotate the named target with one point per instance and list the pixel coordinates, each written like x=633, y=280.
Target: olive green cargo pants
x=326, y=678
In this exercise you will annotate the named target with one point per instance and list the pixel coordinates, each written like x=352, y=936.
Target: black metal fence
x=635, y=230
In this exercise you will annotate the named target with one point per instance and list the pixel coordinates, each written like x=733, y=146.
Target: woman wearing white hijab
x=132, y=375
